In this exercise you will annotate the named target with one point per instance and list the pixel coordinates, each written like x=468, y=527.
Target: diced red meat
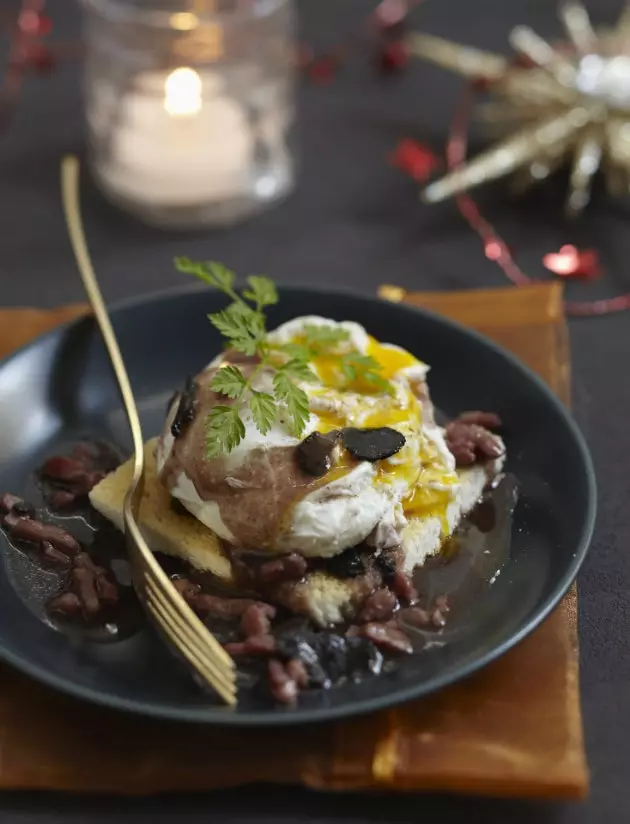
x=488, y=420
x=27, y=529
x=255, y=621
x=388, y=637
x=54, y=556
x=297, y=671
x=254, y=645
x=379, y=606
x=290, y=567
x=84, y=584
x=283, y=687
x=68, y=604
x=404, y=588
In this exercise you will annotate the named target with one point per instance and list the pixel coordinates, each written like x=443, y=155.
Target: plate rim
x=223, y=717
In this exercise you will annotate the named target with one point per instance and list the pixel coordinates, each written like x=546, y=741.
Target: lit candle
x=180, y=141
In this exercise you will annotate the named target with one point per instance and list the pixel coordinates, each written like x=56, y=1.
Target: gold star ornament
x=567, y=102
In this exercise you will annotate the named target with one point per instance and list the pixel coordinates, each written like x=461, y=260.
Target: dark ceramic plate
x=60, y=389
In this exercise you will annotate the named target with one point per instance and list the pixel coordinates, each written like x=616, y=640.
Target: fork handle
x=72, y=209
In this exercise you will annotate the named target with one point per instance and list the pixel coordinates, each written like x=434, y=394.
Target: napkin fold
x=513, y=729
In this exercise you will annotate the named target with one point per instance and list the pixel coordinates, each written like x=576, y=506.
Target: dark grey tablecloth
x=355, y=221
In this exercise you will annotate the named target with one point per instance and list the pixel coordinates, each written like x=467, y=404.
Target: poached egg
x=356, y=500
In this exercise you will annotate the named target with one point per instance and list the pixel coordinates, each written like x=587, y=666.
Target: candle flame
x=184, y=21
x=182, y=92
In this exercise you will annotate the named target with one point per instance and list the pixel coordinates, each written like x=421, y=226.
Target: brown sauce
x=472, y=559
x=469, y=563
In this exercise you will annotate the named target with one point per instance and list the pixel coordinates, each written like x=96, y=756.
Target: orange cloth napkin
x=514, y=729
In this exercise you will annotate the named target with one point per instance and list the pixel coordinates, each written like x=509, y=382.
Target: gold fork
x=170, y=612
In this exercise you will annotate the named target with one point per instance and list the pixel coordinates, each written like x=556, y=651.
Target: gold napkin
x=513, y=729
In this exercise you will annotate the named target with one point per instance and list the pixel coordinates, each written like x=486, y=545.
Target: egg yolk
x=357, y=402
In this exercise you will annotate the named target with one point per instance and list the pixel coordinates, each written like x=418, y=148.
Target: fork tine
x=182, y=622
x=153, y=572
x=197, y=628
x=176, y=624
x=189, y=656
x=205, y=667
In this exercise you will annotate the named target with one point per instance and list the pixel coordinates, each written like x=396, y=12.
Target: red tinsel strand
x=25, y=50
x=494, y=246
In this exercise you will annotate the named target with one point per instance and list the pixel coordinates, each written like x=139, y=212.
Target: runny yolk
x=386, y=417
x=423, y=501
x=391, y=360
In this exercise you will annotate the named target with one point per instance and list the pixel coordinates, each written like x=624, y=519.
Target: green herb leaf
x=297, y=404
x=263, y=408
x=324, y=335
x=221, y=277
x=379, y=382
x=297, y=351
x=243, y=324
x=254, y=322
x=262, y=291
x=354, y=365
x=216, y=274
x=296, y=400
x=240, y=325
x=229, y=321
x=349, y=370
x=229, y=381
x=224, y=430
x=299, y=370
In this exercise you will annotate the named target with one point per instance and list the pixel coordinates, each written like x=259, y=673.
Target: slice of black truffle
x=315, y=453
x=186, y=408
x=372, y=444
x=348, y=564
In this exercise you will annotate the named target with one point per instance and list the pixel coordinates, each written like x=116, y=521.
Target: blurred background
x=319, y=124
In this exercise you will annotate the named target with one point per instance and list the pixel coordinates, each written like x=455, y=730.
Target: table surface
x=356, y=221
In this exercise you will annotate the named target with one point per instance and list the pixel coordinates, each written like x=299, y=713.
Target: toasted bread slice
x=323, y=597
x=330, y=600
x=164, y=529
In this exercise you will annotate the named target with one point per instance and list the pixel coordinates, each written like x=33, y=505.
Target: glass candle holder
x=190, y=106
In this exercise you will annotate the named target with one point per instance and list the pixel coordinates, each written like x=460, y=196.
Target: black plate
x=60, y=388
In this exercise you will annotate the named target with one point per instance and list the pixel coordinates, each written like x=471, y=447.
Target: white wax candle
x=180, y=141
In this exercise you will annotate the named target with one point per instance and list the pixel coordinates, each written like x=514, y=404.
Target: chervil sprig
x=243, y=324
x=354, y=365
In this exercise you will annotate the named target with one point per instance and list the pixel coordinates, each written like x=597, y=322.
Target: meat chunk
x=68, y=605
x=404, y=588
x=488, y=420
x=207, y=604
x=379, y=606
x=415, y=617
x=469, y=443
x=67, y=478
x=187, y=589
x=296, y=670
x=84, y=584
x=290, y=567
x=12, y=503
x=53, y=556
x=282, y=686
x=254, y=645
x=93, y=586
x=28, y=529
x=387, y=637
x=255, y=620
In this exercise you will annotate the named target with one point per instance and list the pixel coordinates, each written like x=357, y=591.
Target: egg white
x=357, y=500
